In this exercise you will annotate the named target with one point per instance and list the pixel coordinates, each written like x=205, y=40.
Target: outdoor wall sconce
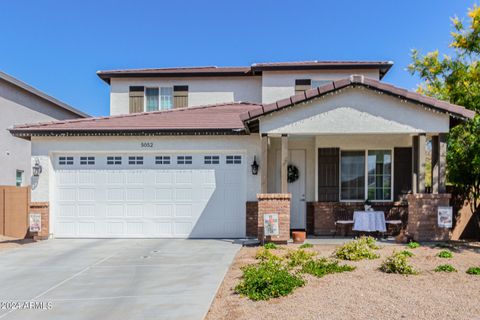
x=255, y=166
x=37, y=168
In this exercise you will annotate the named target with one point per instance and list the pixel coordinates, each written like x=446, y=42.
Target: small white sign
x=35, y=222
x=445, y=217
x=270, y=224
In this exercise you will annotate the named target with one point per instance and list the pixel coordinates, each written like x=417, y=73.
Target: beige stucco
x=19, y=106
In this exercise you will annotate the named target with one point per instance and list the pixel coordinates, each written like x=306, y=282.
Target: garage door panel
x=154, y=200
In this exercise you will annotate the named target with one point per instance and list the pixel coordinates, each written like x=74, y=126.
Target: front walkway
x=115, y=279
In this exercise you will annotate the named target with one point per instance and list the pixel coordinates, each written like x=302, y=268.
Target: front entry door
x=298, y=206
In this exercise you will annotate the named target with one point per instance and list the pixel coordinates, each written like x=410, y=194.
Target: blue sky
x=57, y=46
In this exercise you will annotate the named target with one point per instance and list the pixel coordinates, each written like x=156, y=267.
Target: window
x=135, y=160
x=180, y=96
x=234, y=159
x=166, y=98
x=379, y=174
x=184, y=159
x=114, y=160
x=319, y=83
x=211, y=159
x=65, y=161
x=162, y=160
x=352, y=175
x=87, y=160
x=151, y=99
x=19, y=178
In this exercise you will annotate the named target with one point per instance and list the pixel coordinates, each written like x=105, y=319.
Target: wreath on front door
x=292, y=173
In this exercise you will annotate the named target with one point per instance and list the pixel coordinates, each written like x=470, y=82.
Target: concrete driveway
x=114, y=279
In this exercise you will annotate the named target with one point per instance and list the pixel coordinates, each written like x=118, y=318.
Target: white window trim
x=366, y=175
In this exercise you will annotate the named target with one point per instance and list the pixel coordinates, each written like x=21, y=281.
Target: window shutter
x=302, y=85
x=180, y=96
x=328, y=174
x=136, y=94
x=402, y=172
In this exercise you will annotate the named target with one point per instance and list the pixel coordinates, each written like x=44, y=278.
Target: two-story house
x=207, y=151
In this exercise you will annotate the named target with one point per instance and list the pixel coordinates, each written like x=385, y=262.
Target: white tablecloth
x=369, y=221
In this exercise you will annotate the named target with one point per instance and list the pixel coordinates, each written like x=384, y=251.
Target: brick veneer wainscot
x=44, y=209
x=422, y=217
x=275, y=203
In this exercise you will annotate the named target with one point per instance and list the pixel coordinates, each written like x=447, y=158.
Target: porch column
x=439, y=154
x=284, y=164
x=264, y=164
x=418, y=176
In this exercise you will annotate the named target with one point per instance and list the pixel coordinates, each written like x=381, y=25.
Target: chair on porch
x=343, y=218
x=393, y=220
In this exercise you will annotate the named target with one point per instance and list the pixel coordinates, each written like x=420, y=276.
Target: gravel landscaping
x=366, y=292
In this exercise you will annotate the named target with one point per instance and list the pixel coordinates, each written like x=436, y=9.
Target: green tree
x=456, y=79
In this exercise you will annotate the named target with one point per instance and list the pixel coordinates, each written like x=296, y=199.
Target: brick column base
x=252, y=219
x=324, y=220
x=422, y=217
x=44, y=209
x=275, y=203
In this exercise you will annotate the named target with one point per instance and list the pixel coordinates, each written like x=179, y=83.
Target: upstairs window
x=65, y=161
x=319, y=83
x=114, y=160
x=166, y=98
x=302, y=85
x=151, y=99
x=87, y=160
x=135, y=160
x=158, y=98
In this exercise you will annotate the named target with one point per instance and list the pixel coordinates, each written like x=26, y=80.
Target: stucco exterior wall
x=201, y=91
x=355, y=111
x=19, y=107
x=43, y=148
x=278, y=85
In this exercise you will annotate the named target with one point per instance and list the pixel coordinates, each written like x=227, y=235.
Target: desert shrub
x=265, y=254
x=306, y=245
x=321, y=267
x=357, y=249
x=445, y=254
x=406, y=253
x=413, y=245
x=299, y=257
x=268, y=279
x=474, y=270
x=270, y=245
x=397, y=263
x=445, y=268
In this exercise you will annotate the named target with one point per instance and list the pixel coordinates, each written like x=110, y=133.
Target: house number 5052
x=146, y=144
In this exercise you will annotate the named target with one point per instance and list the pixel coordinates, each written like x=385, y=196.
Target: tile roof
x=219, y=118
x=40, y=94
x=254, y=69
x=358, y=80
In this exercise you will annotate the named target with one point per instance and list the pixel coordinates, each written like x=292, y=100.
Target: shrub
x=357, y=249
x=321, y=267
x=407, y=253
x=268, y=279
x=306, y=245
x=265, y=254
x=445, y=254
x=299, y=257
x=397, y=263
x=413, y=245
x=474, y=270
x=270, y=245
x=445, y=268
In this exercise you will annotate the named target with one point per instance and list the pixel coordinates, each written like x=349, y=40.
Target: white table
x=369, y=221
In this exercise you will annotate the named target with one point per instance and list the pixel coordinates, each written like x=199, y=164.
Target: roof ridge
x=128, y=115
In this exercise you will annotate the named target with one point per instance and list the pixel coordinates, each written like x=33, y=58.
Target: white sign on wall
x=35, y=222
x=270, y=224
x=445, y=217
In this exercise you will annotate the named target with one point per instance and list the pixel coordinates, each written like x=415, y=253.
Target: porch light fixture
x=37, y=168
x=255, y=166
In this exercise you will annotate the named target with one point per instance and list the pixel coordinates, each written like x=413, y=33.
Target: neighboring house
x=20, y=104
x=189, y=170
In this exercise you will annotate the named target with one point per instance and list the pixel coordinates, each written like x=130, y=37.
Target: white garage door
x=148, y=195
